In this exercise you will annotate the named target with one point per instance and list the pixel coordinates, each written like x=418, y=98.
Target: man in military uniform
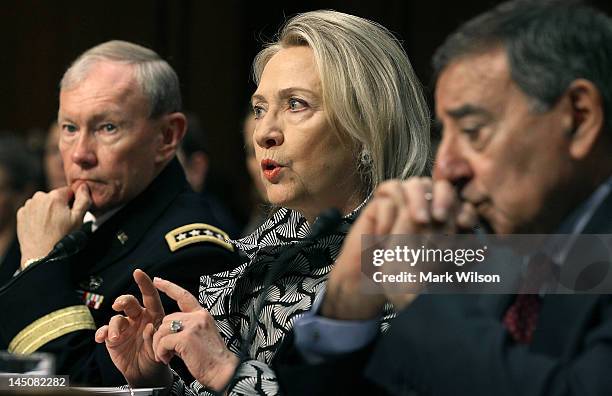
x=120, y=126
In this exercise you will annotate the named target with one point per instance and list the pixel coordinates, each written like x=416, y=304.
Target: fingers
x=392, y=189
x=444, y=201
x=184, y=299
x=101, y=334
x=467, y=218
x=419, y=205
x=65, y=194
x=198, y=325
x=400, y=195
x=383, y=213
x=164, y=340
x=397, y=196
x=129, y=305
x=165, y=348
x=147, y=337
x=150, y=296
x=82, y=202
x=417, y=190
x=448, y=209
x=116, y=327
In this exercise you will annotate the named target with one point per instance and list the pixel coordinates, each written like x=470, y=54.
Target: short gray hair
x=154, y=75
x=370, y=91
x=549, y=44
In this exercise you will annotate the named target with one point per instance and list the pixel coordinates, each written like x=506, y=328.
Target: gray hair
x=549, y=44
x=370, y=92
x=154, y=75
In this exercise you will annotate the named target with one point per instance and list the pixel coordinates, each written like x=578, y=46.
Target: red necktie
x=521, y=318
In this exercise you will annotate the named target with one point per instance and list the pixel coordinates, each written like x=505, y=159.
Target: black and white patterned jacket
x=283, y=271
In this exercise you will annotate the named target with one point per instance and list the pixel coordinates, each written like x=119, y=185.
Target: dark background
x=210, y=44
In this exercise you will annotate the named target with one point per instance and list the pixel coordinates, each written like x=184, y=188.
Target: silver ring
x=428, y=196
x=176, y=326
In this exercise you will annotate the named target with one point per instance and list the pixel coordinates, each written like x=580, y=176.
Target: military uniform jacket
x=56, y=306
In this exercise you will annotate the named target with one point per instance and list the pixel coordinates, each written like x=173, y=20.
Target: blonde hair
x=370, y=91
x=154, y=75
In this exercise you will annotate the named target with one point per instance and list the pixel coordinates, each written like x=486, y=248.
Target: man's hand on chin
x=47, y=217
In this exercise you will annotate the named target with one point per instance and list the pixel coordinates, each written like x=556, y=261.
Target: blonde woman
x=338, y=109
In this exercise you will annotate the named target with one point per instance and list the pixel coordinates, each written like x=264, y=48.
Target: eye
x=296, y=104
x=471, y=132
x=69, y=128
x=477, y=135
x=471, y=128
x=258, y=112
x=108, y=127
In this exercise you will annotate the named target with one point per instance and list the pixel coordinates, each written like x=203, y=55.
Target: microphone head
x=70, y=244
x=326, y=223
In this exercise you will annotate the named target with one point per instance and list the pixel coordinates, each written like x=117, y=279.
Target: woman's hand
x=197, y=341
x=129, y=338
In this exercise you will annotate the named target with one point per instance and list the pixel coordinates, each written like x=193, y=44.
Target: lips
x=76, y=183
x=271, y=170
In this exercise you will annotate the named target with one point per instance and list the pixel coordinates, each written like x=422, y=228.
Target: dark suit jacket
x=457, y=345
x=43, y=308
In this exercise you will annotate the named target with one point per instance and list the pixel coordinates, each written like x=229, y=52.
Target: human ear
x=587, y=117
x=173, y=127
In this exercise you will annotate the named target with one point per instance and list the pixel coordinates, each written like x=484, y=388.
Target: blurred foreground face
x=304, y=164
x=54, y=169
x=513, y=164
x=107, y=139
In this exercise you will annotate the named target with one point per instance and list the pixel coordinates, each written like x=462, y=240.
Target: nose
x=268, y=131
x=84, y=151
x=451, y=163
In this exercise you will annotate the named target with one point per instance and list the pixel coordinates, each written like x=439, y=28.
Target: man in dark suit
x=524, y=98
x=120, y=124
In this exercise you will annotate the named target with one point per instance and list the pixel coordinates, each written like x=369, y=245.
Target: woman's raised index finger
x=150, y=295
x=185, y=300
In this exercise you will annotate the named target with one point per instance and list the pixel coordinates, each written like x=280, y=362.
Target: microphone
x=327, y=222
x=68, y=246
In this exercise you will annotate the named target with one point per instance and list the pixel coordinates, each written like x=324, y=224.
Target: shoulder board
x=51, y=326
x=196, y=233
